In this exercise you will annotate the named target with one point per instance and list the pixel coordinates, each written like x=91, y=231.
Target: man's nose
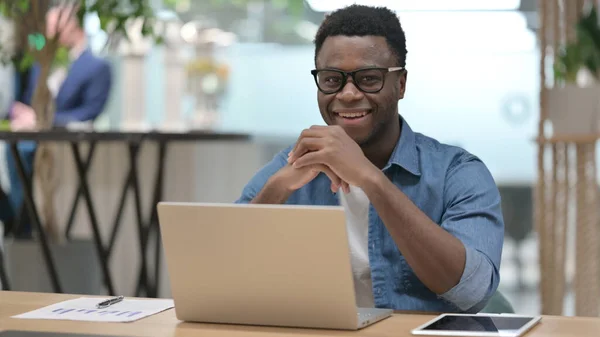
x=350, y=92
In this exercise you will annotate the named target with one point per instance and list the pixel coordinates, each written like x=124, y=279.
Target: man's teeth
x=352, y=114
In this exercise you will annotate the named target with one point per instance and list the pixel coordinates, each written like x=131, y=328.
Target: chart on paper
x=92, y=312
x=84, y=309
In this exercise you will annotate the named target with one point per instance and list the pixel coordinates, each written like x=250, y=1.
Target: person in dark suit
x=80, y=93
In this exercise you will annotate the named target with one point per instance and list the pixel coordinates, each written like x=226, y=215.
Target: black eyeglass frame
x=351, y=74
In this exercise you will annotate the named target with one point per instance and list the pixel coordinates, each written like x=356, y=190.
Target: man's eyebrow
x=362, y=67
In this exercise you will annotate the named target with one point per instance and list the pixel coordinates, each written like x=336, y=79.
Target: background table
x=165, y=324
x=147, y=224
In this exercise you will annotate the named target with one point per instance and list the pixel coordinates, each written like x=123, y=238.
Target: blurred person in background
x=80, y=94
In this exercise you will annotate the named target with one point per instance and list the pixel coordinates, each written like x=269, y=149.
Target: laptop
x=269, y=265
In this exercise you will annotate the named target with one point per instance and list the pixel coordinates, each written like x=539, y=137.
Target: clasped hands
x=330, y=150
x=23, y=117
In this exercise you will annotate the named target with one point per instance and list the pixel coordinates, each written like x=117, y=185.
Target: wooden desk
x=165, y=324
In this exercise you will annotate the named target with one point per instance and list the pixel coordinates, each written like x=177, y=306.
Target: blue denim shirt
x=455, y=189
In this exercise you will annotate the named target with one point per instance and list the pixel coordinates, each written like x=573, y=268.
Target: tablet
x=506, y=325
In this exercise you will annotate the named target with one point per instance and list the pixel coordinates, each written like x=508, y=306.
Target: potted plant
x=118, y=18
x=574, y=102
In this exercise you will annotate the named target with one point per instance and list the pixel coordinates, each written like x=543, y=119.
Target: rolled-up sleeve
x=261, y=177
x=474, y=216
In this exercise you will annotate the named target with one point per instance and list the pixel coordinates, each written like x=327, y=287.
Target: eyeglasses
x=368, y=80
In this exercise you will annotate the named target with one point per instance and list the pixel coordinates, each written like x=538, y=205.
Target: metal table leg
x=92, y=214
x=158, y=194
x=132, y=181
x=79, y=193
x=35, y=219
x=142, y=230
x=3, y=273
x=153, y=223
x=144, y=284
x=117, y=222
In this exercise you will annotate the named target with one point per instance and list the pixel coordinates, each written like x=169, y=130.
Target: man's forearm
x=272, y=193
x=436, y=257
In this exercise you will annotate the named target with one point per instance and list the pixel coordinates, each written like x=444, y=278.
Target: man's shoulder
x=452, y=155
x=93, y=61
x=459, y=174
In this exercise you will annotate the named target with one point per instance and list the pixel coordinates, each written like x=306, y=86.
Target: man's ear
x=402, y=81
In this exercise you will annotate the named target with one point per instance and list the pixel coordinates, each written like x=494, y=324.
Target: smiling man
x=424, y=218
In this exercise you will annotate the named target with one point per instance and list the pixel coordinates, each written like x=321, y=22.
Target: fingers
x=303, y=146
x=336, y=182
x=345, y=187
x=20, y=110
x=334, y=188
x=308, y=159
x=23, y=121
x=315, y=159
x=315, y=131
x=17, y=111
x=20, y=125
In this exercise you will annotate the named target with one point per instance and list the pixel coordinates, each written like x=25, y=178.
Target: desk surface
x=165, y=324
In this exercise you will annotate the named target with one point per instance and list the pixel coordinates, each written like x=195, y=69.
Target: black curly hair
x=358, y=20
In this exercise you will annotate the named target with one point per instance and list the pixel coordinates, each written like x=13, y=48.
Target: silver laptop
x=270, y=265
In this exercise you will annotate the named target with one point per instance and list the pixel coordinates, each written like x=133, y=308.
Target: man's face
x=62, y=21
x=364, y=116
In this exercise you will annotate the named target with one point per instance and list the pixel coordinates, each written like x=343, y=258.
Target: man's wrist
x=274, y=192
x=278, y=183
x=372, y=180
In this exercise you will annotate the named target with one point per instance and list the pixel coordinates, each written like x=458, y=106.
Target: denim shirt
x=455, y=190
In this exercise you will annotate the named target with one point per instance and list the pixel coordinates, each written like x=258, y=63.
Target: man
x=80, y=93
x=424, y=218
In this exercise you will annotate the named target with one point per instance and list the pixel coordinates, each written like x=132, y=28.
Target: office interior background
x=474, y=81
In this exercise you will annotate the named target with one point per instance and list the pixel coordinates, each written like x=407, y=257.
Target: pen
x=109, y=302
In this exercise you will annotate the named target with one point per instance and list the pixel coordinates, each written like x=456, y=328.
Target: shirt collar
x=405, y=153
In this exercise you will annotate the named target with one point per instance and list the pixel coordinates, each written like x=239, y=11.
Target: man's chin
x=359, y=134
x=360, y=138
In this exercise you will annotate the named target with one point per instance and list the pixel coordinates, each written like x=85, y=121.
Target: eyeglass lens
x=369, y=80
